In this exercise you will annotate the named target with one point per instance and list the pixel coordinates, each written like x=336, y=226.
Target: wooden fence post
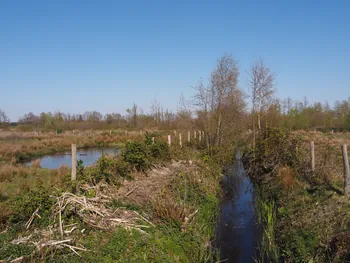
x=74, y=162
x=189, y=136
x=194, y=135
x=169, y=140
x=152, y=140
x=180, y=139
x=312, y=151
x=346, y=169
x=200, y=135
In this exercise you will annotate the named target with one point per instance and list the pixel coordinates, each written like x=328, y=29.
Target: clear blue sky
x=83, y=55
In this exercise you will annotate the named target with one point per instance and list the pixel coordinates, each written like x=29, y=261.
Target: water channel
x=238, y=234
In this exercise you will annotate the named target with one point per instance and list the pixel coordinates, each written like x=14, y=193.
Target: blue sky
x=80, y=55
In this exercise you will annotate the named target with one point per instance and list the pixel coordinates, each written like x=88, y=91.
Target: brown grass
x=286, y=176
x=35, y=164
x=165, y=207
x=328, y=155
x=8, y=171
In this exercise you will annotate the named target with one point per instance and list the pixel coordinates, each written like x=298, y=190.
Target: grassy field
x=151, y=204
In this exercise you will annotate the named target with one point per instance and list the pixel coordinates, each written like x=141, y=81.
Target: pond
x=88, y=155
x=238, y=233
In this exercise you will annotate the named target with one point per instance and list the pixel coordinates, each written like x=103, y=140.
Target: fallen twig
x=144, y=218
x=132, y=190
x=21, y=240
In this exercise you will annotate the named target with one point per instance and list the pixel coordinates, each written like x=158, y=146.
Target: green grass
x=266, y=213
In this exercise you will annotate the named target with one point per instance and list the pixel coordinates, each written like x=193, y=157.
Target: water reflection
x=87, y=155
x=238, y=232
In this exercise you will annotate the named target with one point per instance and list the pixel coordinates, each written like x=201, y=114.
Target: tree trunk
x=254, y=133
x=259, y=121
x=218, y=131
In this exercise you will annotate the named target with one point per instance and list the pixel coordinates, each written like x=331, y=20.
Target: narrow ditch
x=238, y=234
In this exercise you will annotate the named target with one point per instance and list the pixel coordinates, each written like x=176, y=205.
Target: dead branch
x=144, y=219
x=29, y=222
x=21, y=240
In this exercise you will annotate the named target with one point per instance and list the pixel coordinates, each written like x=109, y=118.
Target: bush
x=136, y=154
x=122, y=168
x=160, y=150
x=24, y=205
x=276, y=147
x=108, y=168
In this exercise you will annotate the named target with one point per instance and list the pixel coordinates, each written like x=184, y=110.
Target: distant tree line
x=219, y=107
x=302, y=115
x=134, y=118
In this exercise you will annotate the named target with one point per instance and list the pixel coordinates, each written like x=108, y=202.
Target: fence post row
x=169, y=140
x=346, y=169
x=312, y=150
x=74, y=162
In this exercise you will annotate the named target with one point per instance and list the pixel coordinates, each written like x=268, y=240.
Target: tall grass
x=266, y=213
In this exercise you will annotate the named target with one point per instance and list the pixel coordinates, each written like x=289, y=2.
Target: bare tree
x=262, y=88
x=3, y=117
x=223, y=83
x=29, y=118
x=134, y=115
x=156, y=111
x=220, y=100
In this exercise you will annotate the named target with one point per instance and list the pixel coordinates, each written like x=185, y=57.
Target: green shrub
x=122, y=168
x=108, y=168
x=136, y=154
x=24, y=205
x=8, y=250
x=160, y=150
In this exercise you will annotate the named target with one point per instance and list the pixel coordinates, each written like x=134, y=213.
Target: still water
x=88, y=155
x=238, y=234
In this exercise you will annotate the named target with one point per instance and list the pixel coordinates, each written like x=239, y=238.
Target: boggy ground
x=140, y=207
